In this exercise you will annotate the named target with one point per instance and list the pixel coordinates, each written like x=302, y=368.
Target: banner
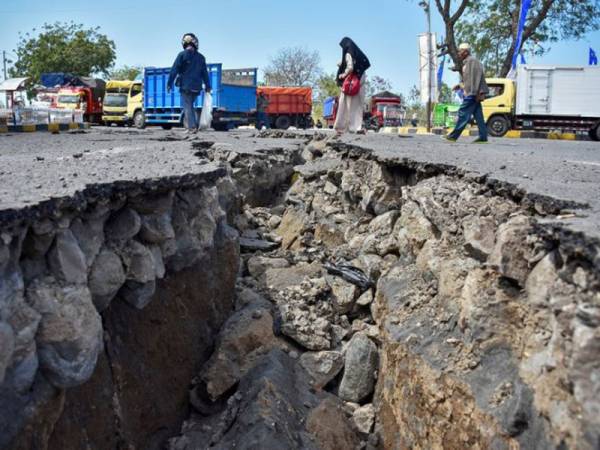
x=593, y=57
x=440, y=74
x=525, y=5
x=428, y=67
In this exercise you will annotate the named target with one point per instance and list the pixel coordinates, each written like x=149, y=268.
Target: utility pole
x=429, y=64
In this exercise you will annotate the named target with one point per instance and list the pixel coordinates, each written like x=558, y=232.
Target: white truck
x=562, y=98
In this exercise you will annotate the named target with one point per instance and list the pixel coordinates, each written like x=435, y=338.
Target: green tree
x=63, y=47
x=126, y=73
x=490, y=26
x=446, y=95
x=293, y=66
x=414, y=105
x=326, y=86
x=377, y=84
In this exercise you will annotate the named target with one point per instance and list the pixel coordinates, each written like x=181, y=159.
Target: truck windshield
x=382, y=106
x=73, y=99
x=115, y=100
x=391, y=111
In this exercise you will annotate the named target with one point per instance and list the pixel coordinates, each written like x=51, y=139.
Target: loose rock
x=322, y=366
x=360, y=366
x=364, y=418
x=66, y=260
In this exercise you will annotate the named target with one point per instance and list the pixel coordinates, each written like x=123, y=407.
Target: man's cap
x=464, y=46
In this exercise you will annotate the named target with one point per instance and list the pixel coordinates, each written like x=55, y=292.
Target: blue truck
x=233, y=92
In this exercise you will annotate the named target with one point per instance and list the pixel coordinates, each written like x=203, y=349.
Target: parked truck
x=383, y=109
x=234, y=101
x=330, y=107
x=122, y=101
x=288, y=106
x=545, y=98
x=84, y=94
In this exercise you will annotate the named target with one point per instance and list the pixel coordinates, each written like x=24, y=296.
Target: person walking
x=190, y=74
x=262, y=119
x=350, y=109
x=475, y=90
x=414, y=121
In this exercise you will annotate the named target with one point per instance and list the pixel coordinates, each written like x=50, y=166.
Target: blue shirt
x=191, y=68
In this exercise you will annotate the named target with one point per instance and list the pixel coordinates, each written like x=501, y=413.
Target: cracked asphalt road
x=35, y=167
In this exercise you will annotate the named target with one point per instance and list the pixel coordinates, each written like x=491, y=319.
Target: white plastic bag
x=206, y=115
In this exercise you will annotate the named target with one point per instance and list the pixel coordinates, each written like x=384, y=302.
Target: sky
x=246, y=33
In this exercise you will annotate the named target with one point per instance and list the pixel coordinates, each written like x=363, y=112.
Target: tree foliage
x=326, y=86
x=63, y=47
x=126, y=73
x=293, y=66
x=490, y=26
x=377, y=84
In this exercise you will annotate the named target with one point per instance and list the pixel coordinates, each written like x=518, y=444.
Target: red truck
x=288, y=106
x=83, y=94
x=385, y=109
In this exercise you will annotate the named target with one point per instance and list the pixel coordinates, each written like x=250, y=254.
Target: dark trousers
x=189, y=113
x=262, y=118
x=470, y=107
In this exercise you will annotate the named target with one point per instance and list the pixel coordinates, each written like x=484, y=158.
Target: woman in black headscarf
x=350, y=110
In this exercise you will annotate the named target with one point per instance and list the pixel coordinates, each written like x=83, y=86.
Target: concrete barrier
x=512, y=134
x=51, y=127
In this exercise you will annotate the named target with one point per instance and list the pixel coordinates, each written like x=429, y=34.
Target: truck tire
x=282, y=123
x=595, y=133
x=498, y=126
x=139, y=120
x=166, y=126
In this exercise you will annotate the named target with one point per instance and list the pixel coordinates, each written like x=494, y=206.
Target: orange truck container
x=288, y=106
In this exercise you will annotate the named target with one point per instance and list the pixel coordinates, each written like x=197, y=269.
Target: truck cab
x=87, y=100
x=499, y=105
x=385, y=110
x=122, y=101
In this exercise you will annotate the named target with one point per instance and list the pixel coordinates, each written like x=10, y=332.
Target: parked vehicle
x=122, y=101
x=445, y=115
x=234, y=102
x=545, y=98
x=46, y=92
x=84, y=94
x=288, y=106
x=385, y=110
x=330, y=110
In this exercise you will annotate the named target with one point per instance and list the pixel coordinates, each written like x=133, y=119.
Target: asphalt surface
x=36, y=167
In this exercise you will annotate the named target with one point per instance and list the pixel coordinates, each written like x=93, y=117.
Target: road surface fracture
x=294, y=290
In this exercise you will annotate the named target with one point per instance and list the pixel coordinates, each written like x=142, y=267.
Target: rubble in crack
x=478, y=328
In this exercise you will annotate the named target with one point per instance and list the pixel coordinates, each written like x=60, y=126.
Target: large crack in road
x=464, y=312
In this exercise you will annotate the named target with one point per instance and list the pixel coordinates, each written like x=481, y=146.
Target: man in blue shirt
x=190, y=73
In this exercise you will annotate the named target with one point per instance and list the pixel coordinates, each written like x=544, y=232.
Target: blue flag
x=525, y=5
x=440, y=73
x=593, y=57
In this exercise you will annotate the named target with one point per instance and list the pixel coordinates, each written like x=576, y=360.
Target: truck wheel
x=498, y=126
x=282, y=123
x=139, y=120
x=166, y=126
x=595, y=133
